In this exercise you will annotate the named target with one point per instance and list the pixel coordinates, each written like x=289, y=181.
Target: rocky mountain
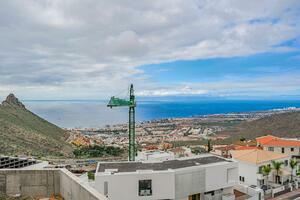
x=24, y=133
x=281, y=125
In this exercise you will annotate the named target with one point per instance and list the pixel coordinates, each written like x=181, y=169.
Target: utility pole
x=117, y=102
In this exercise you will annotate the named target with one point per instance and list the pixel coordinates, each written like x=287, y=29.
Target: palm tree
x=293, y=165
x=266, y=169
x=277, y=166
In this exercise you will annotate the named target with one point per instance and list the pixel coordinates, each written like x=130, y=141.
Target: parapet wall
x=44, y=183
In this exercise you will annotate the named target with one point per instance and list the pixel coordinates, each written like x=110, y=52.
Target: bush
x=97, y=151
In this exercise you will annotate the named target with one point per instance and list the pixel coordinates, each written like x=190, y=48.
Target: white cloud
x=92, y=49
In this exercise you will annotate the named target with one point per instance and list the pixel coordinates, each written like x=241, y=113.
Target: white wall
x=221, y=176
x=250, y=171
x=287, y=150
x=125, y=185
x=172, y=184
x=189, y=181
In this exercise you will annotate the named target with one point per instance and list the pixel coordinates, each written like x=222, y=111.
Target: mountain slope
x=23, y=132
x=281, y=125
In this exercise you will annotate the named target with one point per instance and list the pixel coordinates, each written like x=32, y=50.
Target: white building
x=206, y=177
x=250, y=163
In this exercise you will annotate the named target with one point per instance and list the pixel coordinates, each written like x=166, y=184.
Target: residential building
x=280, y=145
x=250, y=163
x=202, y=177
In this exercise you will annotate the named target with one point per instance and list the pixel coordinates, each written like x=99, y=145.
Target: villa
x=251, y=162
x=202, y=177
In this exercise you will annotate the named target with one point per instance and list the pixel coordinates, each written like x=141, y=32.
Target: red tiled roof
x=283, y=143
x=245, y=147
x=265, y=139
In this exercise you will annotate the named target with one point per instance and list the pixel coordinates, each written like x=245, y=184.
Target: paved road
x=294, y=195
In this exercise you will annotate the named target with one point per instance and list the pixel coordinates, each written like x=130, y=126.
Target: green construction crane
x=117, y=102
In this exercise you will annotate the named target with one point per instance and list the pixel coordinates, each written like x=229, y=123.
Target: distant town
x=172, y=132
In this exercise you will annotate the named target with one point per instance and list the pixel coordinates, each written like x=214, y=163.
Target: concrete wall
x=171, y=184
x=44, y=183
x=221, y=176
x=189, y=181
x=124, y=186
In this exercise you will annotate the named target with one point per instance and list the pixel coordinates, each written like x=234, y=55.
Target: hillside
x=23, y=132
x=281, y=125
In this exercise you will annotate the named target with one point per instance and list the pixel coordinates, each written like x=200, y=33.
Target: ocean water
x=83, y=114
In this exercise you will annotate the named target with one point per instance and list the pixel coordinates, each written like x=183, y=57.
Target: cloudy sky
x=74, y=49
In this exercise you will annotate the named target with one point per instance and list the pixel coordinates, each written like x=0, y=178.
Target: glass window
x=145, y=187
x=286, y=162
x=271, y=149
x=282, y=150
x=292, y=149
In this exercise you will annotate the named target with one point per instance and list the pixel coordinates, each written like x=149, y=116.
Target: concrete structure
x=151, y=156
x=205, y=177
x=7, y=162
x=251, y=162
x=44, y=183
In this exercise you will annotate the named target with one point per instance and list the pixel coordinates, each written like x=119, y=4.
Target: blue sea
x=86, y=114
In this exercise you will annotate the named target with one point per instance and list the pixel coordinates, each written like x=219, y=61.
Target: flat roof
x=159, y=166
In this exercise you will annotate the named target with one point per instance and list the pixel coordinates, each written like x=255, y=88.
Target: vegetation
x=198, y=150
x=91, y=175
x=209, y=146
x=281, y=125
x=293, y=165
x=23, y=132
x=277, y=165
x=266, y=170
x=97, y=151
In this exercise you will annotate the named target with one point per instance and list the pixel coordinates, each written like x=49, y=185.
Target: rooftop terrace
x=159, y=166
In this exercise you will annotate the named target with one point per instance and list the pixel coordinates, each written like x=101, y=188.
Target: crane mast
x=117, y=102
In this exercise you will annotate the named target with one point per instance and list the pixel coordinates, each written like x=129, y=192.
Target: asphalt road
x=295, y=197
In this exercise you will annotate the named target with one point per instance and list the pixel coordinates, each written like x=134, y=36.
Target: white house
x=250, y=164
x=206, y=177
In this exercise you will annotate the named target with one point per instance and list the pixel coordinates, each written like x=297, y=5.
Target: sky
x=93, y=49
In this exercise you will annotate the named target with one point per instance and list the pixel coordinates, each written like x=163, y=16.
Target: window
x=292, y=149
x=282, y=150
x=286, y=162
x=270, y=148
x=145, y=187
x=194, y=197
x=260, y=169
x=242, y=179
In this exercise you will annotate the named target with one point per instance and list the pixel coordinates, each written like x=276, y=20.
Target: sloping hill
x=23, y=132
x=281, y=125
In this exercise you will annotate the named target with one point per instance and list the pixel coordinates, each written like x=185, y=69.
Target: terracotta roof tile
x=257, y=156
x=265, y=139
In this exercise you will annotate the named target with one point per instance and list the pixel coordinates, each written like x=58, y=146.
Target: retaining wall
x=44, y=183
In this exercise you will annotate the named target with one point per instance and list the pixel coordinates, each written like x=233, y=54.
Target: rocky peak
x=12, y=100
